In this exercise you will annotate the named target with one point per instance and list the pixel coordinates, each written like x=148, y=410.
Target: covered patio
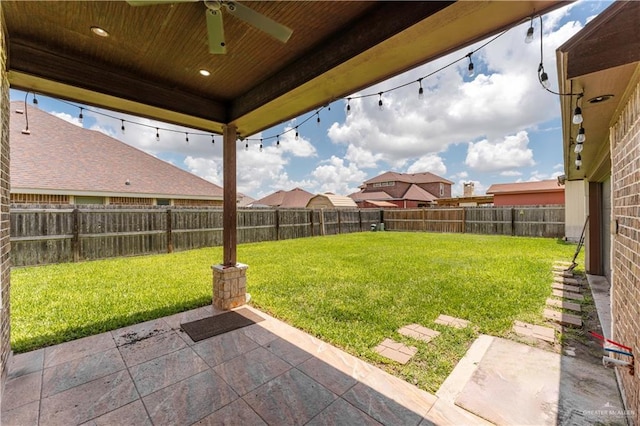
x=149, y=65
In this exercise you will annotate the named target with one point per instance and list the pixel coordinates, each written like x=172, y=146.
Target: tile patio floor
x=267, y=373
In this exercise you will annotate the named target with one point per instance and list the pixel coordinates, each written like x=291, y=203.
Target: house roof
x=416, y=193
x=525, y=187
x=426, y=177
x=373, y=195
x=335, y=200
x=379, y=203
x=295, y=198
x=62, y=158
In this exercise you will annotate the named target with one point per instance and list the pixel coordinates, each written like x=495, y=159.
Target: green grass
x=350, y=290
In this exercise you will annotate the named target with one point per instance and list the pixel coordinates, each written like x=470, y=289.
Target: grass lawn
x=350, y=290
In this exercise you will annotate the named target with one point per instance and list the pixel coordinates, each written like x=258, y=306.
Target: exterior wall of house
x=397, y=190
x=184, y=203
x=625, y=291
x=5, y=245
x=575, y=213
x=532, y=199
x=131, y=201
x=39, y=199
x=434, y=188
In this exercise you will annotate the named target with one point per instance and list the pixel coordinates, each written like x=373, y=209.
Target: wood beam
x=64, y=69
x=229, y=216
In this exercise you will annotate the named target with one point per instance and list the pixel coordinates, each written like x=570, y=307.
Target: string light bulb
x=544, y=79
x=529, y=37
x=578, y=148
x=122, y=127
x=420, y=90
x=581, y=138
x=318, y=119
x=213, y=141
x=260, y=144
x=297, y=134
x=380, y=104
x=246, y=146
x=186, y=137
x=470, y=69
x=578, y=161
x=348, y=106
x=577, y=115
x=278, y=141
x=80, y=116
x=35, y=100
x=157, y=134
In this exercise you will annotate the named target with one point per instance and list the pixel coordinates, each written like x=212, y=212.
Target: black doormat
x=219, y=324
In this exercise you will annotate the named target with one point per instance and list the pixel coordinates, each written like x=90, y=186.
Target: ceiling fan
x=215, y=28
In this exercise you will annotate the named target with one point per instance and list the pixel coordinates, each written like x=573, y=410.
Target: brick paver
x=536, y=331
x=562, y=318
x=565, y=280
x=451, y=321
x=396, y=351
x=555, y=303
x=419, y=332
x=565, y=287
x=567, y=295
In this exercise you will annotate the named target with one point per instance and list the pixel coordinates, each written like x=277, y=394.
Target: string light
x=420, y=90
x=35, y=100
x=581, y=138
x=578, y=161
x=348, y=106
x=471, y=72
x=278, y=141
x=577, y=113
x=122, y=127
x=157, y=134
x=213, y=141
x=297, y=134
x=529, y=37
x=318, y=119
x=186, y=137
x=261, y=145
x=80, y=116
x=246, y=146
x=380, y=104
x=578, y=148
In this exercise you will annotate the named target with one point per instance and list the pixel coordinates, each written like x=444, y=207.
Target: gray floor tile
x=133, y=414
x=292, y=398
x=380, y=407
x=137, y=352
x=248, y=371
x=166, y=370
x=339, y=413
x=21, y=390
x=75, y=349
x=139, y=332
x=79, y=371
x=189, y=400
x=288, y=351
x=236, y=413
x=23, y=415
x=332, y=378
x=85, y=402
x=224, y=347
x=26, y=363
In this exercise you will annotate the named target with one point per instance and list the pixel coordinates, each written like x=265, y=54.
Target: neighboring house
x=295, y=198
x=60, y=163
x=331, y=201
x=602, y=62
x=540, y=193
x=404, y=190
x=244, y=200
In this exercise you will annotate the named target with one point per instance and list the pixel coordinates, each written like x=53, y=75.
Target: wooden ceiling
x=149, y=64
x=599, y=60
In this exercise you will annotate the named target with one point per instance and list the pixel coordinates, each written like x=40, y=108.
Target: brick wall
x=625, y=303
x=130, y=201
x=39, y=199
x=5, y=345
x=181, y=202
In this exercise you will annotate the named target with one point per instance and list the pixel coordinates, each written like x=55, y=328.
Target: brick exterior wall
x=131, y=201
x=625, y=301
x=5, y=245
x=213, y=203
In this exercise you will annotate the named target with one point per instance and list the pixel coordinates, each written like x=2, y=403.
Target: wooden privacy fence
x=61, y=234
x=529, y=221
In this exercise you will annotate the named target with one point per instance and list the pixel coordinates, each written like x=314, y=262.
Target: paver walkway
x=451, y=321
x=267, y=373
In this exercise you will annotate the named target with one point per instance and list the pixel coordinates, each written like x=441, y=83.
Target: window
x=442, y=189
x=381, y=184
x=163, y=202
x=88, y=200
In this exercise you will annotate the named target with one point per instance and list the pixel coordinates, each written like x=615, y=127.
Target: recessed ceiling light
x=204, y=72
x=599, y=99
x=99, y=31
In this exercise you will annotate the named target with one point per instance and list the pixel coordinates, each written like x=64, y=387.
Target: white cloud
x=337, y=177
x=511, y=152
x=362, y=157
x=428, y=163
x=537, y=175
x=458, y=189
x=510, y=173
x=208, y=169
x=68, y=117
x=461, y=175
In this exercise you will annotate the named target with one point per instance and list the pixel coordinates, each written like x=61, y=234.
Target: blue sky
x=497, y=126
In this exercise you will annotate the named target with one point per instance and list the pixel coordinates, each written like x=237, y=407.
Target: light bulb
x=529, y=38
x=578, y=161
x=544, y=79
x=80, y=117
x=581, y=136
x=577, y=115
x=578, y=148
x=348, y=109
x=421, y=93
x=157, y=134
x=380, y=105
x=122, y=127
x=297, y=135
x=35, y=100
x=246, y=146
x=471, y=71
x=186, y=137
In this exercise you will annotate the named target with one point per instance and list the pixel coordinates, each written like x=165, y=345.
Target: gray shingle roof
x=60, y=156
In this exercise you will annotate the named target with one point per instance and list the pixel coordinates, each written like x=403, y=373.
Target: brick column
x=229, y=286
x=5, y=345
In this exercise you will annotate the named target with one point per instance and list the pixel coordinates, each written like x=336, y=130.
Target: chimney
x=468, y=189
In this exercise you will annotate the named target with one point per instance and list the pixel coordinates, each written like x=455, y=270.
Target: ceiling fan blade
x=259, y=21
x=153, y=2
x=215, y=32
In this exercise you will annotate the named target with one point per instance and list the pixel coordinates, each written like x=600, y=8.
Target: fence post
x=424, y=221
x=464, y=220
x=513, y=222
x=277, y=225
x=169, y=231
x=311, y=220
x=322, y=230
x=360, y=218
x=339, y=222
x=75, y=240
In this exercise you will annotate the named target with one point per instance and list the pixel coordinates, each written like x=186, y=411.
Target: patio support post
x=230, y=277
